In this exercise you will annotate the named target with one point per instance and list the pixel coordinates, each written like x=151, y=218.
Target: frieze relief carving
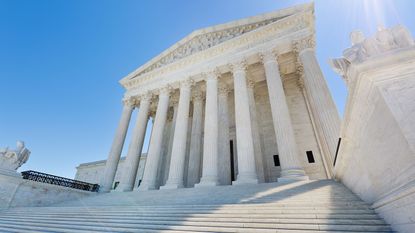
x=205, y=41
x=292, y=23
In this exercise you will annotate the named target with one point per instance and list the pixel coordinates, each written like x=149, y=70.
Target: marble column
x=291, y=167
x=135, y=147
x=210, y=144
x=178, y=155
x=224, y=159
x=259, y=162
x=165, y=161
x=193, y=175
x=245, y=146
x=153, y=156
x=116, y=148
x=324, y=110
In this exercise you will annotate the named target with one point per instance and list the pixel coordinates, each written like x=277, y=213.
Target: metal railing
x=61, y=181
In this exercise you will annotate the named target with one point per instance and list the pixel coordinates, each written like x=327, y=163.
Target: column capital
x=165, y=90
x=129, y=101
x=304, y=44
x=214, y=74
x=238, y=66
x=174, y=99
x=300, y=83
x=187, y=83
x=299, y=69
x=223, y=88
x=197, y=94
x=268, y=56
x=251, y=83
x=145, y=97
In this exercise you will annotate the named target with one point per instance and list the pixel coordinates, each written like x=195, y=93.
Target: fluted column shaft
x=165, y=161
x=116, y=148
x=245, y=146
x=135, y=147
x=291, y=168
x=177, y=162
x=322, y=105
x=210, y=144
x=259, y=162
x=224, y=160
x=193, y=175
x=153, y=155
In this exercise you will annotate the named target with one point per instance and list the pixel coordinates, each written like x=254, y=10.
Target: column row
x=246, y=134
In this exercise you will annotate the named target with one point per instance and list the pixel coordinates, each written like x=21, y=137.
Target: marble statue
x=385, y=40
x=13, y=159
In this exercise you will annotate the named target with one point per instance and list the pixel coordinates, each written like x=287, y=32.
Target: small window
x=310, y=156
x=276, y=160
x=116, y=184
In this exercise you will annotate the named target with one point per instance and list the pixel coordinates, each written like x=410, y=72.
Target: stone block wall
x=17, y=192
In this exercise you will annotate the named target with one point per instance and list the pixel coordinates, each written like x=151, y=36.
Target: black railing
x=61, y=181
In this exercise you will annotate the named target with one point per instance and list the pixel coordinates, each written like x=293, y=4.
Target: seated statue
x=13, y=159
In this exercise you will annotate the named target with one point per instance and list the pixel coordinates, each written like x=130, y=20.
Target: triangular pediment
x=206, y=38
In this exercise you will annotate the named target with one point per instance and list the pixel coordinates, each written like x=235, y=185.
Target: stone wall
x=92, y=172
x=17, y=192
x=376, y=159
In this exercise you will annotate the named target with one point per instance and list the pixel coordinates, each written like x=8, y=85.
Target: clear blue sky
x=60, y=61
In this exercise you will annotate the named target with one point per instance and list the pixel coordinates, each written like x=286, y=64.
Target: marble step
x=185, y=208
x=246, y=219
x=189, y=225
x=252, y=216
x=235, y=211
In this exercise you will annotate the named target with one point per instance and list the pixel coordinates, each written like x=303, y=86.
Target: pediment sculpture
x=13, y=159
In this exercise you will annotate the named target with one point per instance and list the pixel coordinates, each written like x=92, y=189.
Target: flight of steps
x=302, y=207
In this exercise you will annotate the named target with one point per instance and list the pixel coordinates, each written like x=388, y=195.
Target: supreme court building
x=237, y=103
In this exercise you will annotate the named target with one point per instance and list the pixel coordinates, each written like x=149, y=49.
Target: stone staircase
x=301, y=207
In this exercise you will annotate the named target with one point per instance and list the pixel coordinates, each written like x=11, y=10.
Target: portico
x=241, y=89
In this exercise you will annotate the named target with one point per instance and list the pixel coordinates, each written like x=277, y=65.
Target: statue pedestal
x=8, y=172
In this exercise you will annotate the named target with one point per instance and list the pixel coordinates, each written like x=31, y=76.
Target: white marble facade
x=254, y=84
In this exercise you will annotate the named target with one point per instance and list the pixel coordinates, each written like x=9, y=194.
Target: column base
x=121, y=189
x=245, y=181
x=293, y=175
x=207, y=182
x=146, y=187
x=172, y=186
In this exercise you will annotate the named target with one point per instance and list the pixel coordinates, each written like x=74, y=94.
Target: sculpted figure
x=13, y=159
x=385, y=40
x=357, y=51
x=402, y=36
